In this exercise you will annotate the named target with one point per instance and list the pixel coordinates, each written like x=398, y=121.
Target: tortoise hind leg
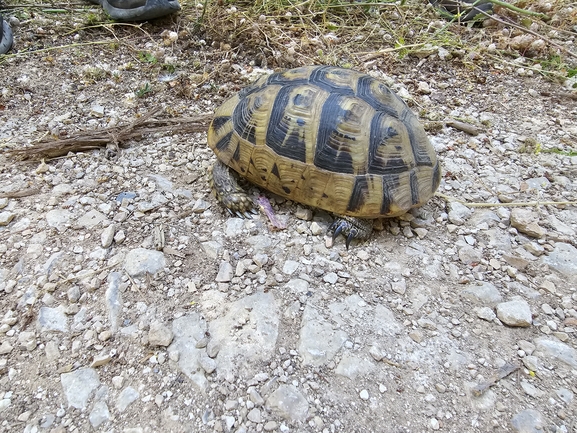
x=352, y=228
x=229, y=193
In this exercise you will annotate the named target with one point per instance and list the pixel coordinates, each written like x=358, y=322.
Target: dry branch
x=117, y=135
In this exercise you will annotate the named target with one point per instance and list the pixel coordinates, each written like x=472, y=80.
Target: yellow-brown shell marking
x=330, y=138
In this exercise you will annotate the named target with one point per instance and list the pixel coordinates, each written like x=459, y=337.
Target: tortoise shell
x=328, y=137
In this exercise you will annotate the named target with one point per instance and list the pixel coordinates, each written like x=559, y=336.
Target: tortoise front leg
x=225, y=186
x=352, y=228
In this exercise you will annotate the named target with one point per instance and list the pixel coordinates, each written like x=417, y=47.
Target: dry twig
x=512, y=204
x=90, y=140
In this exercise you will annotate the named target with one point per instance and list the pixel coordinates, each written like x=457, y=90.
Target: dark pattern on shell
x=414, y=183
x=358, y=194
x=333, y=151
x=390, y=184
x=242, y=120
x=284, y=135
x=224, y=142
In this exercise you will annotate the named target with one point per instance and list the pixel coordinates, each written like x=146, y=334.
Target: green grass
x=144, y=90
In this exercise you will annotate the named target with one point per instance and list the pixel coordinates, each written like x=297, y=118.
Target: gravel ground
x=131, y=302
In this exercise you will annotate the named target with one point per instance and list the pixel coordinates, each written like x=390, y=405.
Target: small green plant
x=145, y=57
x=556, y=151
x=142, y=91
x=554, y=62
x=399, y=45
x=171, y=69
x=571, y=73
x=92, y=19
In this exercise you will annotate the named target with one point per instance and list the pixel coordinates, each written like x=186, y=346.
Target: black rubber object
x=6, y=38
x=138, y=10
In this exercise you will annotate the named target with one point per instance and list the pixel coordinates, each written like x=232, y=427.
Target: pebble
x=290, y=267
x=234, y=227
x=259, y=243
x=58, y=218
x=159, y=334
x=119, y=237
x=107, y=235
x=483, y=293
x=531, y=389
x=526, y=346
x=534, y=248
x=100, y=360
x=207, y=363
x=399, y=286
x=212, y=249
x=532, y=363
x=27, y=340
x=200, y=206
x=317, y=229
x=99, y=414
x=73, y=294
x=458, y=213
x=141, y=261
x=417, y=336
x=5, y=347
x=485, y=313
x=563, y=259
x=52, y=319
x=270, y=426
x=288, y=403
x=565, y=395
x=528, y=421
x=364, y=394
x=305, y=214
x=515, y=313
x=6, y=217
x=255, y=416
x=113, y=297
x=225, y=273
x=4, y=404
x=91, y=219
x=126, y=397
x=78, y=386
x=557, y=350
x=297, y=285
x=423, y=88
x=330, y=278
x=524, y=220
x=470, y=255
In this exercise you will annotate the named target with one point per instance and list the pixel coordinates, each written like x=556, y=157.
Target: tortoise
x=326, y=137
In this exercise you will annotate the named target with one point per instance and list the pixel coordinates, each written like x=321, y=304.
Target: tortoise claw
x=337, y=230
x=350, y=237
x=352, y=228
x=240, y=214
